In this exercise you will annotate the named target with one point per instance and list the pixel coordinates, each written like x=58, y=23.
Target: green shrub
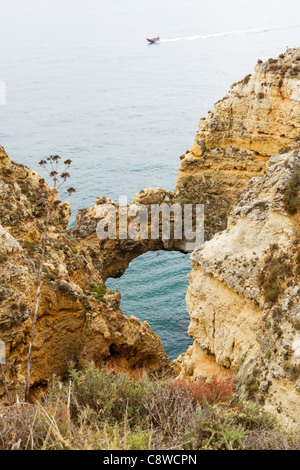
x=211, y=391
x=297, y=324
x=100, y=291
x=3, y=258
x=291, y=199
x=214, y=431
x=272, y=292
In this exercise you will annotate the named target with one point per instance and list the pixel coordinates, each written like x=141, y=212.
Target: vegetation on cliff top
x=99, y=409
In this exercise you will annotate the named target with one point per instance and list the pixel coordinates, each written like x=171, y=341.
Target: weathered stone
x=257, y=118
x=76, y=322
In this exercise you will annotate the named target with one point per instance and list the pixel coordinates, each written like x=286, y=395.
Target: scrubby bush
x=99, y=409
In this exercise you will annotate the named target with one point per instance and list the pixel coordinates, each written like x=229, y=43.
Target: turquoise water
x=82, y=82
x=153, y=289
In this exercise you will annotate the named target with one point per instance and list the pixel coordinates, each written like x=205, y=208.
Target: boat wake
x=264, y=29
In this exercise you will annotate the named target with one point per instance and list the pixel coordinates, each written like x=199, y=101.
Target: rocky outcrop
x=79, y=319
x=244, y=293
x=259, y=117
x=244, y=290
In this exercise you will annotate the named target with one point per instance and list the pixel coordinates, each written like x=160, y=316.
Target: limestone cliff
x=79, y=319
x=259, y=117
x=244, y=291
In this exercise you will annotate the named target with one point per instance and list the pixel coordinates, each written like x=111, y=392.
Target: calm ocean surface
x=82, y=82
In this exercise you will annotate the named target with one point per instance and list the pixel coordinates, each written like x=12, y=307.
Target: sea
x=78, y=79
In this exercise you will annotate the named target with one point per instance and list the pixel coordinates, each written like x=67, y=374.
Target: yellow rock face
x=243, y=297
x=259, y=117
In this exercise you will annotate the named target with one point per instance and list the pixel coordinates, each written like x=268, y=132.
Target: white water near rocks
x=81, y=81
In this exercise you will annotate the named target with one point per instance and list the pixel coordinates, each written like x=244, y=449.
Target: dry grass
x=279, y=268
x=98, y=409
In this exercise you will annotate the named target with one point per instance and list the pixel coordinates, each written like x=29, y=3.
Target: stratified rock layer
x=259, y=117
x=244, y=291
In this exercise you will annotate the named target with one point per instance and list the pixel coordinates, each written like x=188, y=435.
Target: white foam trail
x=264, y=29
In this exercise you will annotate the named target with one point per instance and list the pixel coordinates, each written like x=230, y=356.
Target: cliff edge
x=257, y=118
x=243, y=297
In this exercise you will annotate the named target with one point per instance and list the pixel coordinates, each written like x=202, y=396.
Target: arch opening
x=153, y=289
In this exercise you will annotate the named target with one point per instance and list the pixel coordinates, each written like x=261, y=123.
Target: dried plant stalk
x=5, y=383
x=55, y=177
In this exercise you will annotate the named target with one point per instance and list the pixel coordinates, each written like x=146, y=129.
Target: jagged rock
x=78, y=319
x=259, y=117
